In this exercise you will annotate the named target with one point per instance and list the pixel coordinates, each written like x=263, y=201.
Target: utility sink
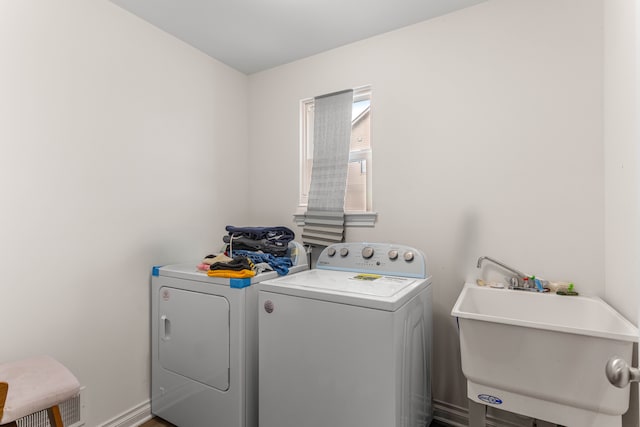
x=543, y=355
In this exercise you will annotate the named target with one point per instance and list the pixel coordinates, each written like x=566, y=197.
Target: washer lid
x=354, y=283
x=366, y=290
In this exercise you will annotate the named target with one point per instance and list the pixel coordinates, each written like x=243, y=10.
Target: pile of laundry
x=269, y=240
x=250, y=251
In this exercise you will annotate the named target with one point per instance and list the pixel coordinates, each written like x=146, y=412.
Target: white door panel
x=193, y=336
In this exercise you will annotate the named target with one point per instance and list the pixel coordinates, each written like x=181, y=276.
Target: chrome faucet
x=517, y=281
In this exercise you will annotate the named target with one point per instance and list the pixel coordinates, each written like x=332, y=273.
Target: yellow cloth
x=231, y=274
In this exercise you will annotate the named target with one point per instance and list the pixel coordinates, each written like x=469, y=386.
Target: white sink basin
x=543, y=355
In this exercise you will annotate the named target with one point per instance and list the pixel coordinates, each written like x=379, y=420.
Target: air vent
x=70, y=410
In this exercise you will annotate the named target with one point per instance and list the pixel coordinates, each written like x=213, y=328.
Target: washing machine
x=204, y=345
x=348, y=343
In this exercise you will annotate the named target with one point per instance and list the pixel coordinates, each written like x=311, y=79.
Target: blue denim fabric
x=280, y=264
x=275, y=248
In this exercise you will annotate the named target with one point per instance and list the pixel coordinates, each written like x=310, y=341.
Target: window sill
x=352, y=219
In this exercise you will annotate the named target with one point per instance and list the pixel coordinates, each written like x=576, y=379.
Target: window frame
x=358, y=218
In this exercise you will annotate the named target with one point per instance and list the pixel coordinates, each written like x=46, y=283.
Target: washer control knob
x=367, y=252
x=344, y=252
x=393, y=254
x=331, y=251
x=408, y=256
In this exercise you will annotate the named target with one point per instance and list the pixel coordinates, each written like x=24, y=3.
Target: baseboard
x=449, y=414
x=133, y=417
x=456, y=416
x=443, y=412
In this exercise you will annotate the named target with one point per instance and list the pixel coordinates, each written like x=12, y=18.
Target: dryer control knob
x=268, y=306
x=344, y=252
x=367, y=252
x=331, y=251
x=393, y=254
x=408, y=256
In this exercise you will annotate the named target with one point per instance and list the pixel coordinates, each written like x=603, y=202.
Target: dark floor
x=157, y=422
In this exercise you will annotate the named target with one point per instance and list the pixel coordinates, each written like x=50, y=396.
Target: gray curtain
x=324, y=220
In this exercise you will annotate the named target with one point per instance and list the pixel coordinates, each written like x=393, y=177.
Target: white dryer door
x=193, y=336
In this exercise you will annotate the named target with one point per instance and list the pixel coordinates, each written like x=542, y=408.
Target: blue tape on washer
x=155, y=271
x=240, y=283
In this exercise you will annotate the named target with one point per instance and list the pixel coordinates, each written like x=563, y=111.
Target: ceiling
x=255, y=35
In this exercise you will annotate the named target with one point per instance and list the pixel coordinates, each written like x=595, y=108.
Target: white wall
x=115, y=154
x=621, y=155
x=487, y=139
x=622, y=179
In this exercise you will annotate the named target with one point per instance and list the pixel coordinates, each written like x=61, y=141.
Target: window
x=358, y=193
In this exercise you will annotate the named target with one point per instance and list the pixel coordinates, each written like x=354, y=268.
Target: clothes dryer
x=204, y=345
x=348, y=343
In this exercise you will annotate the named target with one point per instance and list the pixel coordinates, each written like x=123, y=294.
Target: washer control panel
x=374, y=258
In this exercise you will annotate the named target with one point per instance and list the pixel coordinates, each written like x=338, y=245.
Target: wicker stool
x=32, y=385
